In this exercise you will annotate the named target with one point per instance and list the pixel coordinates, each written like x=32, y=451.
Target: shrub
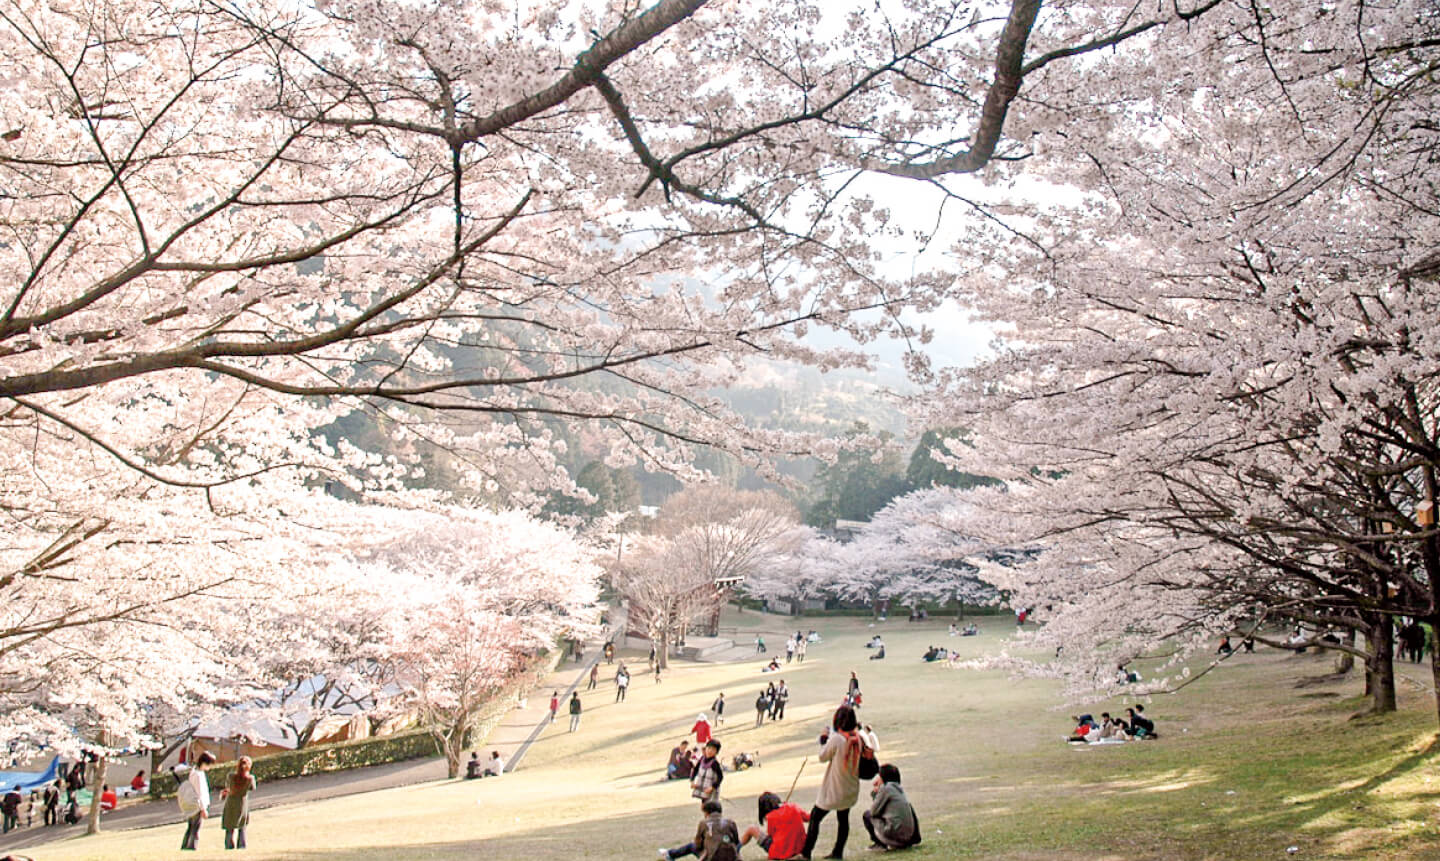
x=316, y=759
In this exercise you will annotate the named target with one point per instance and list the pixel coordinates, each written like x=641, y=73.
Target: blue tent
x=30, y=779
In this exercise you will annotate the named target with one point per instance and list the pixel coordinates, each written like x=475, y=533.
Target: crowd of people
x=786, y=830
x=59, y=803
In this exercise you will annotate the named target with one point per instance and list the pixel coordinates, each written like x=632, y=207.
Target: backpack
x=725, y=850
x=869, y=766
x=185, y=793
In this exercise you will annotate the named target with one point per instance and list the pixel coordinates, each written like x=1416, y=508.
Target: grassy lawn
x=1247, y=766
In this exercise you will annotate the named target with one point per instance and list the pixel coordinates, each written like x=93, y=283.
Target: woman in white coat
x=840, y=789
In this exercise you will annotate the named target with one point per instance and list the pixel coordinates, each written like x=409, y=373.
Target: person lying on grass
x=783, y=834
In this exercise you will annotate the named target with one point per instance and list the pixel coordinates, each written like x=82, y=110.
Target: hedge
x=318, y=758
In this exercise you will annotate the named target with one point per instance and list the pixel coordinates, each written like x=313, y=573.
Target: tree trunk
x=959, y=609
x=453, y=746
x=662, y=650
x=1380, y=666
x=1432, y=621
x=92, y=826
x=1346, y=661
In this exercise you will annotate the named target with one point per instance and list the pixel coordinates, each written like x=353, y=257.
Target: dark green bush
x=316, y=759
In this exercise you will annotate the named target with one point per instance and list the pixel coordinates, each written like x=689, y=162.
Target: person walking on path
x=789, y=650
x=759, y=644
x=854, y=685
x=800, y=650
x=594, y=677
x=194, y=798
x=622, y=684
x=609, y=653
x=236, y=793
x=762, y=705
x=840, y=788
x=718, y=707
x=554, y=704
x=657, y=674
x=574, y=712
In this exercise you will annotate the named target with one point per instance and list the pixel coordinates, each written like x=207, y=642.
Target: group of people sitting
x=970, y=630
x=1109, y=730
x=934, y=653
x=474, y=769
x=879, y=646
x=890, y=821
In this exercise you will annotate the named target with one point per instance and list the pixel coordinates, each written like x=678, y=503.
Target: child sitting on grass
x=717, y=838
x=784, y=833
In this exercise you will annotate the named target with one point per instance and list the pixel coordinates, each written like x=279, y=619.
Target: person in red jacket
x=784, y=834
x=701, y=730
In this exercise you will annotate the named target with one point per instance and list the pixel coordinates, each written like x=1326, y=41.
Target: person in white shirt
x=496, y=766
x=194, y=797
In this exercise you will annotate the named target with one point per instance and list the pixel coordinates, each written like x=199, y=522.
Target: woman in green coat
x=237, y=804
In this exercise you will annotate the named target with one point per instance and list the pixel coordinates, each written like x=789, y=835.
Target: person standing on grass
x=594, y=677
x=574, y=711
x=51, y=800
x=840, y=788
x=759, y=644
x=800, y=647
x=789, y=650
x=622, y=684
x=194, y=799
x=705, y=783
x=554, y=704
x=762, y=705
x=854, y=685
x=701, y=730
x=236, y=793
x=778, y=700
x=718, y=707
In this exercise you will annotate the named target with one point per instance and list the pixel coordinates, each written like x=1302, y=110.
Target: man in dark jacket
x=574, y=711
x=10, y=804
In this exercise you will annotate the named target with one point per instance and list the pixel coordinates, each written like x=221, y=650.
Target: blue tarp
x=30, y=779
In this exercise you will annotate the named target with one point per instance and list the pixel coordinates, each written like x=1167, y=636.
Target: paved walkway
x=517, y=730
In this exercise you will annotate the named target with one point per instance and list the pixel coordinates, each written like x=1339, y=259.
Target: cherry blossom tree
x=1214, y=404
x=706, y=541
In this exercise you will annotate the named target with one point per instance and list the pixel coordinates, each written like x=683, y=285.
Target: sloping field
x=1248, y=766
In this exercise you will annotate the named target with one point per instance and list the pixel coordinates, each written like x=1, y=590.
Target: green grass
x=1247, y=766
